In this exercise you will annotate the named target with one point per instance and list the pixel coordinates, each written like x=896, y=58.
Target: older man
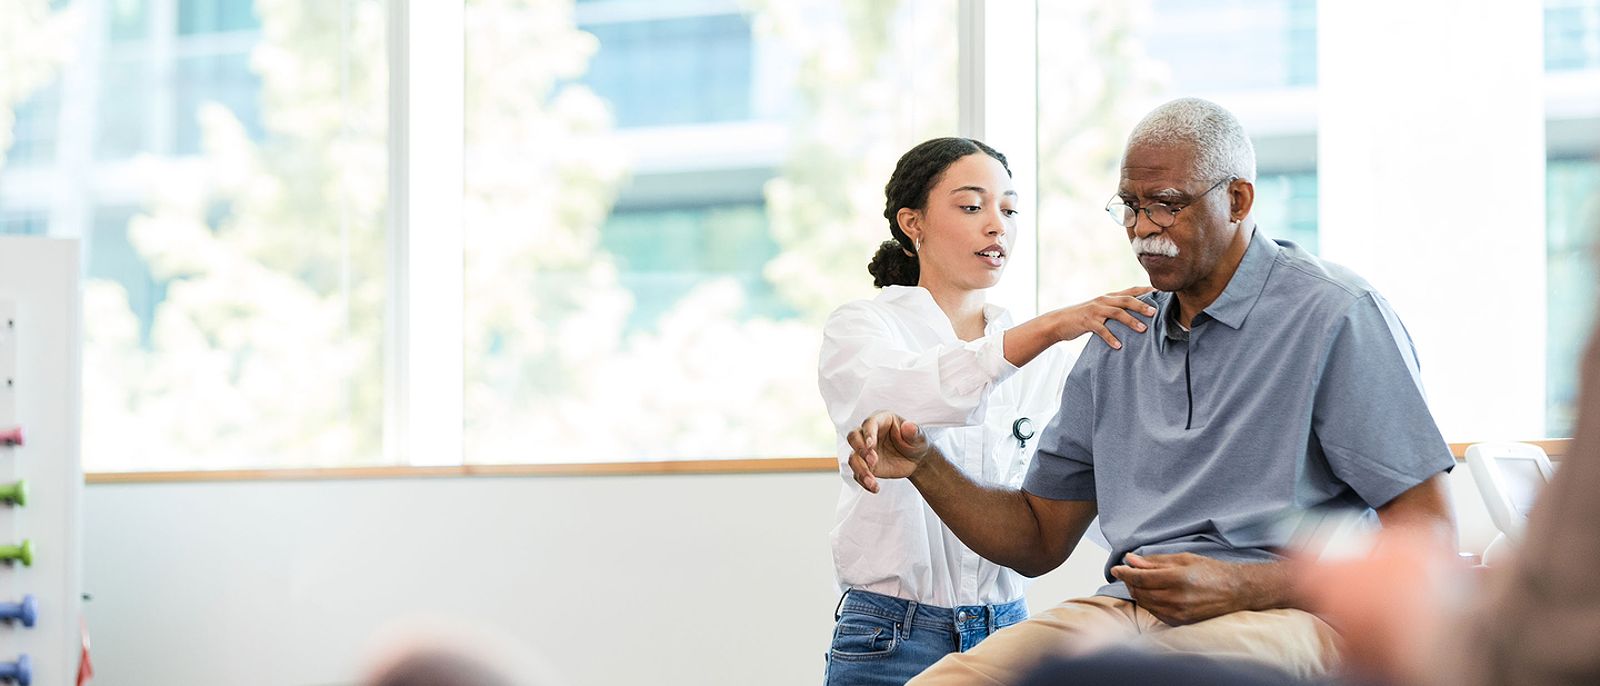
x=1269, y=381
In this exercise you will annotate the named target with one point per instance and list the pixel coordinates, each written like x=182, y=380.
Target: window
x=230, y=200
x=126, y=19
x=672, y=70
x=664, y=202
x=23, y=223
x=1571, y=35
x=224, y=79
x=659, y=203
x=663, y=254
x=216, y=16
x=127, y=79
x=1574, y=212
x=1572, y=197
x=115, y=260
x=33, y=133
x=1233, y=45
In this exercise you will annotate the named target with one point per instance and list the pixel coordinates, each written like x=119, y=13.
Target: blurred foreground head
x=457, y=656
x=432, y=667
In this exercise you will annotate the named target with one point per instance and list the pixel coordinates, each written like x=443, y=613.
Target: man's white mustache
x=1157, y=244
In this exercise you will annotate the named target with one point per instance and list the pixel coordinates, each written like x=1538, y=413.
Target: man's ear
x=1241, y=198
x=910, y=222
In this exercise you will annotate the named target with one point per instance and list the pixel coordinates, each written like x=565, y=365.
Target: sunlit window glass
x=663, y=203
x=223, y=164
x=1572, y=192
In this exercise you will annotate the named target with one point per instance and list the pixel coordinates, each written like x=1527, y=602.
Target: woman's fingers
x=1129, y=320
x=1099, y=329
x=1129, y=303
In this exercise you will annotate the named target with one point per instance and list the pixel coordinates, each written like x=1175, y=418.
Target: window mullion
x=423, y=359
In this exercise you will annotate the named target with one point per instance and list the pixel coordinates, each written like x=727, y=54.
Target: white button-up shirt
x=898, y=352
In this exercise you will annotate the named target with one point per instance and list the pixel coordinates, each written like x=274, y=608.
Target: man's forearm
x=1269, y=586
x=996, y=522
x=1425, y=508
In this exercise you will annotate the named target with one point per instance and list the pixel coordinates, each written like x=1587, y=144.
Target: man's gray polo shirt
x=1297, y=388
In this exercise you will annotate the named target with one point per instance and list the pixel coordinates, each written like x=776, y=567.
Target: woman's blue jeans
x=883, y=640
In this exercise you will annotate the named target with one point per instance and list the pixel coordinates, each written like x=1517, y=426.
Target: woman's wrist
x=1021, y=344
x=1061, y=325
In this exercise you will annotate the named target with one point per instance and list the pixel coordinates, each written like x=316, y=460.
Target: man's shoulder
x=1315, y=284
x=1097, y=352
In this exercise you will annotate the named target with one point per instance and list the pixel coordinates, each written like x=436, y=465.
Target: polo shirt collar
x=1244, y=289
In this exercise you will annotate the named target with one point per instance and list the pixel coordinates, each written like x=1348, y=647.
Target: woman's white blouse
x=898, y=352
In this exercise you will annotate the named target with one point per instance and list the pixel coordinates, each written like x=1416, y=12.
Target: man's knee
x=1294, y=640
x=1074, y=627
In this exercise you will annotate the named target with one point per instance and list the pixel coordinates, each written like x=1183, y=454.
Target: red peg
x=11, y=436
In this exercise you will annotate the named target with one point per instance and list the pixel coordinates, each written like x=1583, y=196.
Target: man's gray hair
x=1221, y=149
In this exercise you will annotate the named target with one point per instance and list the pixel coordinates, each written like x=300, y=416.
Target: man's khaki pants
x=1293, y=640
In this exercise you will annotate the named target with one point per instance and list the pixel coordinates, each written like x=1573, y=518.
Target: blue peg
x=19, y=672
x=26, y=611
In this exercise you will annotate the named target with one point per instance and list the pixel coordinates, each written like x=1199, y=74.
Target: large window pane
x=216, y=16
x=33, y=133
x=230, y=200
x=1234, y=45
x=663, y=203
x=224, y=79
x=1572, y=191
x=1573, y=187
x=673, y=70
x=127, y=20
x=1571, y=35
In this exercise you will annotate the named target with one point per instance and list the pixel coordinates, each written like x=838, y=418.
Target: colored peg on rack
x=26, y=611
x=19, y=672
x=21, y=553
x=11, y=436
x=15, y=493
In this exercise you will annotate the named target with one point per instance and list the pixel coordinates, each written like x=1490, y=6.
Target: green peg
x=22, y=553
x=16, y=493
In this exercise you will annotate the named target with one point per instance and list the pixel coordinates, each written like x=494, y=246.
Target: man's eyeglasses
x=1162, y=214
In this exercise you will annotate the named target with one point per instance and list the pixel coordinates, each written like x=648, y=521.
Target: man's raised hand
x=886, y=446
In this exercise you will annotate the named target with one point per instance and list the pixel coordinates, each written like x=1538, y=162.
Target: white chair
x=1510, y=477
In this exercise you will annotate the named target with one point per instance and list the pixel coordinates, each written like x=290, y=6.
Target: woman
x=930, y=349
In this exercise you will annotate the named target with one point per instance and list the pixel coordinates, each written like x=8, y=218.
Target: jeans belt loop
x=911, y=613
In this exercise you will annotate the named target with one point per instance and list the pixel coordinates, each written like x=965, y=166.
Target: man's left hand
x=1184, y=588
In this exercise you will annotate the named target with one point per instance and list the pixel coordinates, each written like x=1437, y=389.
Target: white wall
x=666, y=580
